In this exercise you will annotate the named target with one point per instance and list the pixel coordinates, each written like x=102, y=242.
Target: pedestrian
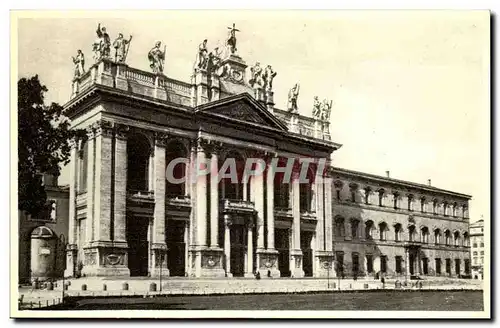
x=257, y=275
x=383, y=282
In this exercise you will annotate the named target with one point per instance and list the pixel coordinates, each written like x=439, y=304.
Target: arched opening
x=447, y=237
x=412, y=231
x=466, y=240
x=383, y=230
x=138, y=163
x=339, y=227
x=398, y=228
x=43, y=254
x=369, y=229
x=232, y=188
x=354, y=228
x=175, y=184
x=424, y=235
x=456, y=238
x=437, y=236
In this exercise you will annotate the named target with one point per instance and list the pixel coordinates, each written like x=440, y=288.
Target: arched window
x=355, y=228
x=437, y=236
x=395, y=200
x=424, y=232
x=410, y=202
x=455, y=208
x=175, y=150
x=447, y=237
x=422, y=205
x=445, y=209
x=339, y=227
x=338, y=188
x=398, y=229
x=381, y=197
x=434, y=206
x=456, y=238
x=368, y=191
x=138, y=162
x=353, y=188
x=412, y=231
x=369, y=229
x=383, y=230
x=466, y=241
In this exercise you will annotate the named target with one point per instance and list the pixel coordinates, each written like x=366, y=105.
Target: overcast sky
x=410, y=89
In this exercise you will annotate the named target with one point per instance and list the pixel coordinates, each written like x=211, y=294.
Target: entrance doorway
x=176, y=256
x=282, y=243
x=238, y=249
x=137, y=239
x=305, y=246
x=412, y=263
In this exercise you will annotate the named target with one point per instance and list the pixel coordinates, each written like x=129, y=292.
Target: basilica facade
x=127, y=218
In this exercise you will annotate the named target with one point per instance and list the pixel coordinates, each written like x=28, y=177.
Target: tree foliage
x=43, y=143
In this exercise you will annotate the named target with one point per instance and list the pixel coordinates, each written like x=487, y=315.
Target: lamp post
x=161, y=267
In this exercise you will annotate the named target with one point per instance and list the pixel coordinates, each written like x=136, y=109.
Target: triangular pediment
x=243, y=108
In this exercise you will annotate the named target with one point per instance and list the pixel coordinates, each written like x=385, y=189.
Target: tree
x=43, y=143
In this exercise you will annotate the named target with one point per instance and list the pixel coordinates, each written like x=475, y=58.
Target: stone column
x=270, y=206
x=120, y=219
x=328, y=186
x=296, y=252
x=89, y=234
x=407, y=262
x=159, y=246
x=319, y=209
x=227, y=245
x=201, y=199
x=249, y=272
x=257, y=183
x=103, y=171
x=214, y=200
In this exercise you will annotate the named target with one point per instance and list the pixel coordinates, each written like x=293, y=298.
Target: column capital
x=121, y=130
x=227, y=220
x=209, y=146
x=103, y=127
x=161, y=139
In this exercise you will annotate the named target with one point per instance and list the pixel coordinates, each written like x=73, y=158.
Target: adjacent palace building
x=127, y=219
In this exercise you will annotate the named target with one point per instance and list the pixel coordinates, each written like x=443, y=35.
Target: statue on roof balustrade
x=268, y=77
x=79, y=62
x=231, y=39
x=202, y=55
x=293, y=95
x=326, y=109
x=316, y=112
x=157, y=58
x=121, y=46
x=102, y=46
x=256, y=81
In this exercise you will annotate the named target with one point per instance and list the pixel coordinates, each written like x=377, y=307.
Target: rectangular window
x=482, y=252
x=482, y=244
x=448, y=266
x=438, y=266
x=474, y=260
x=425, y=265
x=340, y=263
x=474, y=245
x=467, y=266
x=355, y=263
x=383, y=263
x=399, y=261
x=457, y=266
x=369, y=263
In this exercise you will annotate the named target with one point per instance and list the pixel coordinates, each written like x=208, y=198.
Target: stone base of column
x=324, y=264
x=71, y=260
x=296, y=263
x=159, y=261
x=105, y=259
x=208, y=262
x=267, y=263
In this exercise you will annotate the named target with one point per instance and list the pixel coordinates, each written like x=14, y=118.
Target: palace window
x=424, y=235
x=339, y=227
x=474, y=245
x=447, y=237
x=410, y=202
x=438, y=265
x=353, y=189
x=381, y=197
x=467, y=266
x=474, y=253
x=456, y=238
x=399, y=267
x=448, y=266
x=412, y=232
x=355, y=228
x=455, y=206
x=339, y=267
x=383, y=230
x=397, y=232
x=369, y=230
x=369, y=263
x=425, y=265
x=367, y=195
x=383, y=263
x=445, y=208
x=474, y=260
x=355, y=263
x=422, y=205
x=395, y=200
x=482, y=244
x=457, y=266
x=338, y=187
x=466, y=240
x=434, y=206
x=437, y=236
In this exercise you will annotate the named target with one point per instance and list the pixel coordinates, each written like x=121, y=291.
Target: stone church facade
x=127, y=219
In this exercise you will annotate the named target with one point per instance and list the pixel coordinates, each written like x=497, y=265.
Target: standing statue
x=214, y=61
x=325, y=110
x=231, y=39
x=157, y=58
x=256, y=79
x=202, y=56
x=104, y=42
x=121, y=48
x=293, y=95
x=316, y=112
x=79, y=62
x=268, y=77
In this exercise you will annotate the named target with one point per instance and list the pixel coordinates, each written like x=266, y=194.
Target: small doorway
x=176, y=256
x=238, y=250
x=137, y=239
x=412, y=263
x=282, y=242
x=305, y=246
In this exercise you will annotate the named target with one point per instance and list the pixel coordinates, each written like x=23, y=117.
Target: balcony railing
x=141, y=196
x=237, y=205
